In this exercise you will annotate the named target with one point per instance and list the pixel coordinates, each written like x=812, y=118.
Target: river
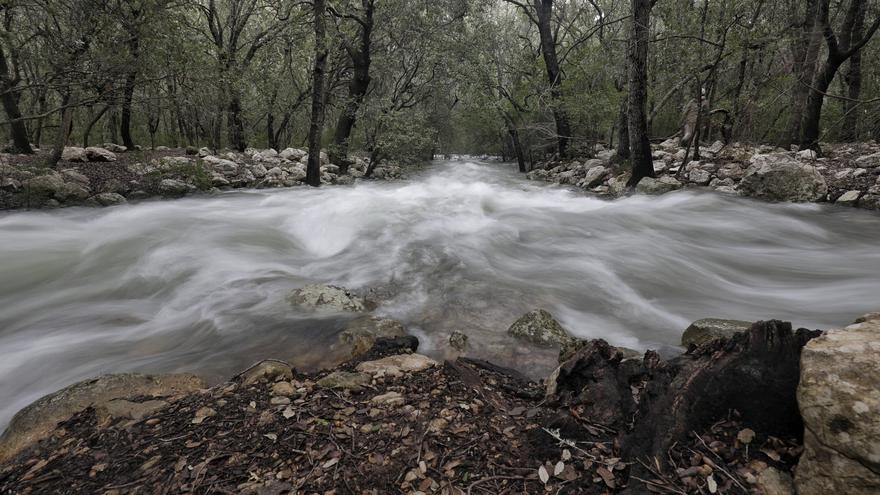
x=199, y=284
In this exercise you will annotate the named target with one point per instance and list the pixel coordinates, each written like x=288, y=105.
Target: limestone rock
x=114, y=148
x=361, y=333
x=870, y=201
x=173, y=188
x=389, y=399
x=100, y=155
x=39, y=419
x=397, y=365
x=458, y=340
x=74, y=154
x=700, y=177
x=663, y=185
x=849, y=198
x=839, y=400
x=540, y=328
x=108, y=199
x=326, y=298
x=594, y=177
x=702, y=331
x=772, y=481
x=226, y=167
x=269, y=370
x=344, y=380
x=779, y=177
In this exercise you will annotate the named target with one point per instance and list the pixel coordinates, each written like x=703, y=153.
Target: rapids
x=199, y=284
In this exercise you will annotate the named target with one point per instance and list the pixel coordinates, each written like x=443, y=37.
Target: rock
x=868, y=161
x=330, y=169
x=662, y=185
x=360, y=334
x=389, y=399
x=870, y=202
x=617, y=185
x=326, y=298
x=73, y=175
x=108, y=199
x=660, y=166
x=173, y=188
x=808, y=155
x=395, y=366
x=283, y=388
x=538, y=174
x=269, y=369
x=839, y=400
x=844, y=173
x=540, y=328
x=226, y=167
x=716, y=147
x=162, y=148
x=702, y=331
x=700, y=177
x=730, y=171
x=778, y=177
x=594, y=177
x=849, y=198
x=100, y=155
x=74, y=154
x=772, y=481
x=297, y=173
x=113, y=186
x=293, y=154
x=458, y=340
x=127, y=409
x=115, y=148
x=344, y=380
x=259, y=171
x=45, y=185
x=39, y=419
x=716, y=183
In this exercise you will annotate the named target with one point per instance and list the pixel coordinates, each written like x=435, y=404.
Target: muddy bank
x=393, y=421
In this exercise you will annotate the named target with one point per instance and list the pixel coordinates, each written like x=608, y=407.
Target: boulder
x=538, y=174
x=326, y=298
x=870, y=201
x=594, y=177
x=259, y=171
x=839, y=400
x=779, y=177
x=772, y=481
x=53, y=186
x=663, y=185
x=395, y=366
x=360, y=334
x=203, y=152
x=344, y=380
x=458, y=340
x=849, y=198
x=807, y=155
x=74, y=154
x=226, y=167
x=708, y=329
x=700, y=177
x=868, y=161
x=108, y=199
x=115, y=148
x=173, y=188
x=100, y=155
x=292, y=154
x=540, y=328
x=617, y=185
x=39, y=419
x=269, y=370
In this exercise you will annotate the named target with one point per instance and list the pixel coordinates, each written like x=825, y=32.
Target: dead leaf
x=557, y=470
x=543, y=475
x=712, y=484
x=607, y=477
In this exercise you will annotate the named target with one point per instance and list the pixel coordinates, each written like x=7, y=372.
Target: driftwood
x=652, y=404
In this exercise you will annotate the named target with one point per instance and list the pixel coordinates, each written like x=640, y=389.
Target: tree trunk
x=63, y=130
x=544, y=11
x=806, y=55
x=637, y=55
x=623, y=131
x=811, y=125
x=128, y=93
x=18, y=130
x=513, y=132
x=316, y=126
x=853, y=81
x=91, y=124
x=235, y=123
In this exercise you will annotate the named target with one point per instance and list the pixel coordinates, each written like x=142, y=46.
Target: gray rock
x=203, y=152
x=849, y=198
x=293, y=154
x=706, y=330
x=868, y=161
x=540, y=328
x=326, y=298
x=74, y=154
x=270, y=370
x=361, y=333
x=39, y=419
x=538, y=174
x=100, y=155
x=779, y=177
x=662, y=185
x=458, y=340
x=699, y=176
x=173, y=188
x=394, y=366
x=108, y=199
x=344, y=380
x=772, y=481
x=594, y=177
x=114, y=148
x=226, y=167
x=839, y=400
x=870, y=202
x=259, y=171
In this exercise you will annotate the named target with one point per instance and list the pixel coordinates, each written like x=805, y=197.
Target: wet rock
x=458, y=340
x=839, y=400
x=849, y=198
x=539, y=174
x=39, y=419
x=269, y=370
x=344, y=380
x=870, y=202
x=173, y=188
x=540, y=328
x=708, y=329
x=326, y=298
x=397, y=365
x=100, y=155
x=361, y=334
x=74, y=154
x=617, y=185
x=108, y=199
x=779, y=177
x=663, y=185
x=594, y=177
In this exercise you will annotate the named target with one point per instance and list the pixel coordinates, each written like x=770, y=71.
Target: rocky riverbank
x=390, y=420
x=111, y=175
x=847, y=175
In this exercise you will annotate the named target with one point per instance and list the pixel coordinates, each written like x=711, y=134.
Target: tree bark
x=853, y=81
x=91, y=124
x=18, y=130
x=623, y=131
x=235, y=123
x=806, y=55
x=316, y=126
x=128, y=92
x=63, y=129
x=544, y=17
x=513, y=132
x=637, y=56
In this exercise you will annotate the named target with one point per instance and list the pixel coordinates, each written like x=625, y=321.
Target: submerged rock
x=540, y=328
x=39, y=419
x=458, y=340
x=708, y=329
x=361, y=334
x=779, y=177
x=326, y=298
x=839, y=400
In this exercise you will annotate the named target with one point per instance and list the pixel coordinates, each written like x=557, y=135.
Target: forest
x=448, y=247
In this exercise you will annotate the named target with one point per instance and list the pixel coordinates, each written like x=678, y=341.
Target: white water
x=199, y=284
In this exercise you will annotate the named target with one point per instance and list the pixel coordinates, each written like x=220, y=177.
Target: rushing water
x=199, y=284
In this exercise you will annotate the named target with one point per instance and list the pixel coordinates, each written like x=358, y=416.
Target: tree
x=637, y=60
x=839, y=51
x=9, y=80
x=316, y=123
